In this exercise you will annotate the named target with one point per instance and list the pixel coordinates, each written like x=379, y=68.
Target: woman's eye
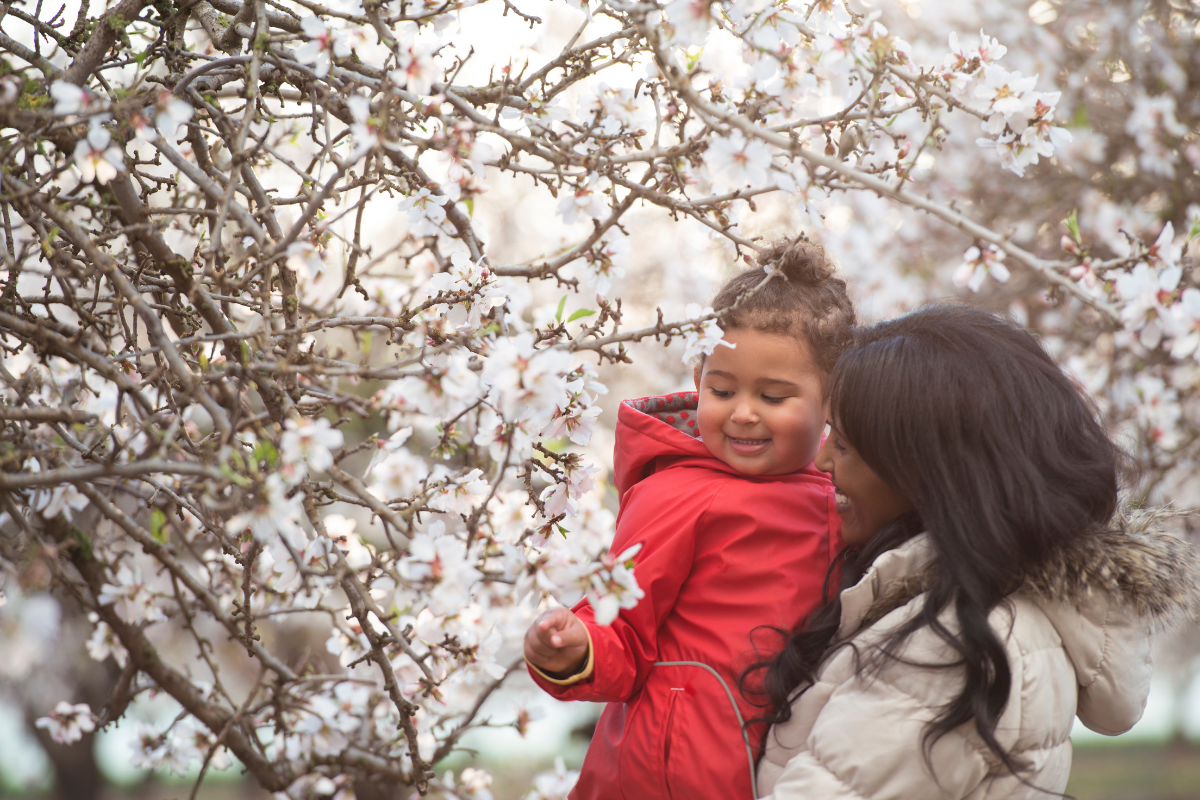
x=773, y=400
x=720, y=393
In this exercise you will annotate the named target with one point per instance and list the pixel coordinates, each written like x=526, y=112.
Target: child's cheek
x=709, y=422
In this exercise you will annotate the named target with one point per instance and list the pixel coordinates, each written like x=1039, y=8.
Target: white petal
x=313, y=26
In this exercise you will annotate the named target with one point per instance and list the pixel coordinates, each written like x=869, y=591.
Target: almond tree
x=1120, y=201
x=271, y=366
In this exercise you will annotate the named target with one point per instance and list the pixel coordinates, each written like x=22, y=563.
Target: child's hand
x=557, y=642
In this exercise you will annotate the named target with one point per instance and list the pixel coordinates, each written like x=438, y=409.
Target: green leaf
x=158, y=524
x=1072, y=223
x=265, y=451
x=1080, y=118
x=85, y=544
x=562, y=530
x=561, y=304
x=1195, y=229
x=228, y=472
x=580, y=314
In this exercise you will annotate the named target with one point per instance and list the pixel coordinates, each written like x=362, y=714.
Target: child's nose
x=744, y=414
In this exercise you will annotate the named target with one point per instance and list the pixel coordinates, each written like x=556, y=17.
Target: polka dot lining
x=677, y=410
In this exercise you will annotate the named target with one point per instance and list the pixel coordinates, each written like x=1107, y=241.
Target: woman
x=990, y=596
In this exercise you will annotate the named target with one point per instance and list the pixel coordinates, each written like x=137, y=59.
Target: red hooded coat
x=722, y=553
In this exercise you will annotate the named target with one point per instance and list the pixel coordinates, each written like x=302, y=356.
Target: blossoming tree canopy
x=271, y=364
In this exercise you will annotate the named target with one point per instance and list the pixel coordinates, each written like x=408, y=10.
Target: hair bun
x=800, y=260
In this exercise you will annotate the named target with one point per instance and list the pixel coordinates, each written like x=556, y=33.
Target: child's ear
x=696, y=374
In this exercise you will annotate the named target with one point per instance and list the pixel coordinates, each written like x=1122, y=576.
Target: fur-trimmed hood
x=1133, y=563
x=1155, y=573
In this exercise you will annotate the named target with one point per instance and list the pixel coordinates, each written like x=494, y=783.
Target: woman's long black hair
x=1004, y=461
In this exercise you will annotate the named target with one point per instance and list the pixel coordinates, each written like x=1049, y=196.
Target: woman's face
x=864, y=502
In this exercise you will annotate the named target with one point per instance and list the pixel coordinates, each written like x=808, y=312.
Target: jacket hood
x=1102, y=594
x=1155, y=574
x=1134, y=564
x=651, y=427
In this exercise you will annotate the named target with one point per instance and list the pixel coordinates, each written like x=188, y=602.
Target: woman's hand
x=557, y=643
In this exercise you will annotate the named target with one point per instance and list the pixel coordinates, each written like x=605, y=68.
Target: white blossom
x=554, y=785
x=1144, y=291
x=273, y=513
x=418, y=69
x=690, y=20
x=104, y=643
x=364, y=129
x=306, y=445
x=702, y=339
x=323, y=47
x=130, y=596
x=67, y=723
x=425, y=211
x=171, y=114
x=614, y=587
x=978, y=265
x=440, y=560
x=737, y=162
x=585, y=200
x=1185, y=324
x=72, y=99
x=95, y=159
x=306, y=259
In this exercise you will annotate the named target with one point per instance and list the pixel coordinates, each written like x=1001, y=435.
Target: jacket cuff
x=588, y=668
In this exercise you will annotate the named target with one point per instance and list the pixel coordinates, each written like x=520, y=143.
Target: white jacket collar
x=907, y=559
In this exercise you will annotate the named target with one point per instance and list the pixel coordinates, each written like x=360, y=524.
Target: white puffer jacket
x=1077, y=637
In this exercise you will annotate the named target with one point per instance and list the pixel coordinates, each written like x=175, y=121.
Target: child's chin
x=750, y=466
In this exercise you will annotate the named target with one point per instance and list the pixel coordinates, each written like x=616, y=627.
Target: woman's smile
x=843, y=502
x=864, y=501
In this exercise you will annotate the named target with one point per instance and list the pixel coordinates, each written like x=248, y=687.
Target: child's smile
x=761, y=405
x=748, y=447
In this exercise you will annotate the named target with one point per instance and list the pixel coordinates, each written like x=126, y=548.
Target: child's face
x=761, y=404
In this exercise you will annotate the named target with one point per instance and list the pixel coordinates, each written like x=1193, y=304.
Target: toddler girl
x=737, y=531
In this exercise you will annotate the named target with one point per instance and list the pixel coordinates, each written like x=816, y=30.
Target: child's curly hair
x=805, y=300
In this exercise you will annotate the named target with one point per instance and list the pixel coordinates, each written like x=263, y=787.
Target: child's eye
x=720, y=393
x=837, y=445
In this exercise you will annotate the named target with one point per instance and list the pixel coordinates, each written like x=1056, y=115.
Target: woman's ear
x=696, y=374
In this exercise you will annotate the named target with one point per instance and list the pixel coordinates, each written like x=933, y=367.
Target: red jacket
x=722, y=554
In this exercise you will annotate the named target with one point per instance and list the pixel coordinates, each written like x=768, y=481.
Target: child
x=737, y=531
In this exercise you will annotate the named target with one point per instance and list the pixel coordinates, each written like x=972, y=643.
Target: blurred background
x=894, y=260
